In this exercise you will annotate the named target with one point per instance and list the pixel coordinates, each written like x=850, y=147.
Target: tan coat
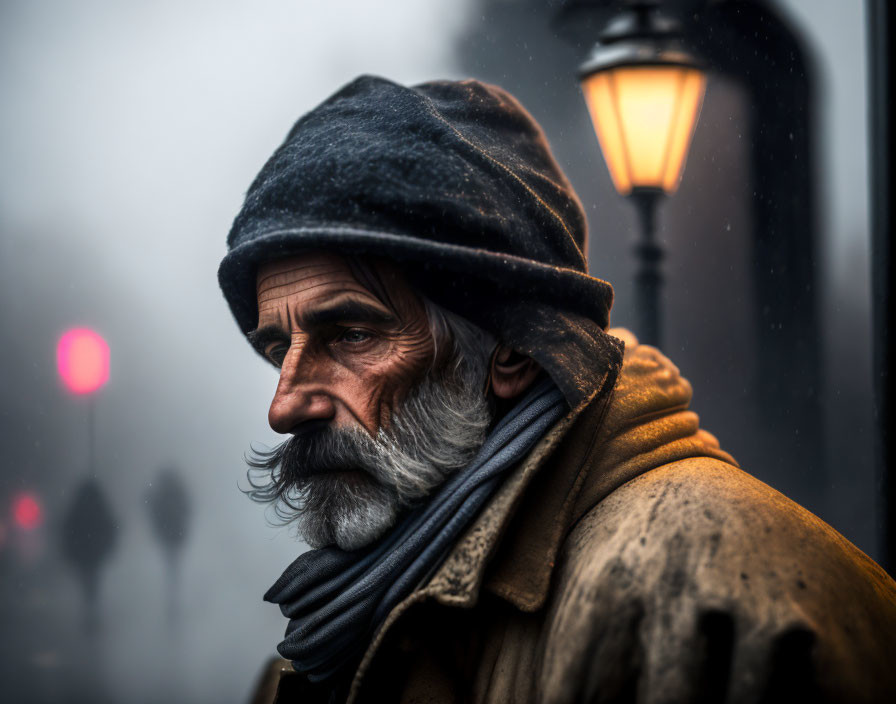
x=588, y=578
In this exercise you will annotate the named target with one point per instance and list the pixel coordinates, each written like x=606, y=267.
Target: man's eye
x=277, y=354
x=354, y=336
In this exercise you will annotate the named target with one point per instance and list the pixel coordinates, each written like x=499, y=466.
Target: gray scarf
x=336, y=599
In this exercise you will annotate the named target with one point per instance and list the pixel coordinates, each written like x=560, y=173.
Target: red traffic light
x=27, y=511
x=82, y=357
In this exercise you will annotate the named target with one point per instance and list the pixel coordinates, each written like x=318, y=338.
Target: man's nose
x=301, y=400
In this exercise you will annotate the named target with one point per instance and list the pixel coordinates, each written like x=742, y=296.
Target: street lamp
x=89, y=529
x=644, y=92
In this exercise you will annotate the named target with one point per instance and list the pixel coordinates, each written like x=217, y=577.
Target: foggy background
x=128, y=135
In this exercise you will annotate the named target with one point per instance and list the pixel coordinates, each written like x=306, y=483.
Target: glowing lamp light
x=645, y=116
x=27, y=511
x=644, y=92
x=82, y=357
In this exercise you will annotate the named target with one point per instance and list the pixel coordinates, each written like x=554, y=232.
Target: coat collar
x=462, y=574
x=458, y=581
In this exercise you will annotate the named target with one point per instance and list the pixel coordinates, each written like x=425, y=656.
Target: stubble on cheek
x=396, y=370
x=410, y=359
x=390, y=383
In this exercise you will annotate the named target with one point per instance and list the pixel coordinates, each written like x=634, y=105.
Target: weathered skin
x=351, y=370
x=356, y=368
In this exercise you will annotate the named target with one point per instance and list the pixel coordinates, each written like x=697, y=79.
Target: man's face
x=375, y=424
x=347, y=356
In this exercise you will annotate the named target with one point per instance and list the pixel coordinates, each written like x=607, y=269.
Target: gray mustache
x=321, y=452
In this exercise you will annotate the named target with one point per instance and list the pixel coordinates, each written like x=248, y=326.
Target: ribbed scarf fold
x=335, y=599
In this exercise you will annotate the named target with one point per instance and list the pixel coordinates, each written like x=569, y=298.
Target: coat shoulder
x=696, y=575
x=719, y=517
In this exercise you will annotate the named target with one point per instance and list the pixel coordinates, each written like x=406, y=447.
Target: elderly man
x=504, y=501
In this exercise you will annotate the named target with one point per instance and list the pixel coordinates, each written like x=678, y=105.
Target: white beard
x=436, y=431
x=349, y=513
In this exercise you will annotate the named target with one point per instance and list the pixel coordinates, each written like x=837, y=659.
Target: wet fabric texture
x=455, y=181
x=336, y=599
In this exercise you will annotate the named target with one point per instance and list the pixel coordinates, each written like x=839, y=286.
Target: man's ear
x=511, y=373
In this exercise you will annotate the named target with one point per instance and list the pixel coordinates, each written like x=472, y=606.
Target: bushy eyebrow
x=339, y=311
x=262, y=337
x=343, y=311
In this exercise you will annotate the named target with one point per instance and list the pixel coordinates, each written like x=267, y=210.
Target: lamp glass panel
x=644, y=117
x=604, y=114
x=647, y=102
x=693, y=87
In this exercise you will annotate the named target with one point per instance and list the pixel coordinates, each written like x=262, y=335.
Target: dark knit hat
x=455, y=181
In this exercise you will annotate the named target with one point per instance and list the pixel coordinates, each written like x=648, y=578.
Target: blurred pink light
x=82, y=357
x=27, y=511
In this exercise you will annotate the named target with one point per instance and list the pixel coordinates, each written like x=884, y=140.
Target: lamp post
x=644, y=92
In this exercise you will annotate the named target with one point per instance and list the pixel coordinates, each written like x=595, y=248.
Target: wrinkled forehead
x=315, y=276
x=300, y=272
